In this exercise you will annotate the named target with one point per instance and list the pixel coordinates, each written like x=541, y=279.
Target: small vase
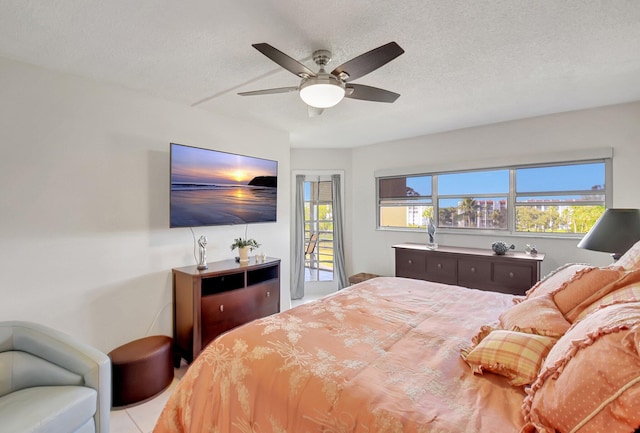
x=244, y=255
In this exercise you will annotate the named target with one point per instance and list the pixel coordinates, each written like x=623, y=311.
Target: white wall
x=371, y=250
x=615, y=126
x=84, y=196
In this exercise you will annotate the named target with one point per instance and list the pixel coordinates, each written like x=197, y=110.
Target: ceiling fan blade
x=314, y=111
x=290, y=64
x=269, y=91
x=368, y=93
x=368, y=62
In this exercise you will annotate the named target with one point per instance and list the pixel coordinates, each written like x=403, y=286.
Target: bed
x=397, y=355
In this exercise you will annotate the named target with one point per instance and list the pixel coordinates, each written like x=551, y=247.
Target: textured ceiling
x=466, y=63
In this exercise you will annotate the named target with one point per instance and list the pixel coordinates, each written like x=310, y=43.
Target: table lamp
x=614, y=232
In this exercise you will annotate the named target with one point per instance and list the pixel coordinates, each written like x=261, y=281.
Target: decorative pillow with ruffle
x=537, y=315
x=552, y=281
x=627, y=278
x=586, y=283
x=629, y=293
x=631, y=259
x=515, y=355
x=590, y=380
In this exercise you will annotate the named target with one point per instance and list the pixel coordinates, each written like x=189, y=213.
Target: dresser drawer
x=442, y=269
x=474, y=273
x=410, y=264
x=516, y=278
x=225, y=311
x=267, y=298
x=219, y=313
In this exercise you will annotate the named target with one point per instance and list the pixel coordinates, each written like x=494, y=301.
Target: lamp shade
x=323, y=91
x=615, y=232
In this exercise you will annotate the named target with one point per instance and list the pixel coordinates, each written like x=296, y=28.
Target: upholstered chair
x=51, y=382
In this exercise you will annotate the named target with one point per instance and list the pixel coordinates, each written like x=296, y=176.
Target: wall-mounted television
x=210, y=187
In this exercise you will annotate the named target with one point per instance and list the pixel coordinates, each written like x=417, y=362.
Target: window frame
x=511, y=229
x=405, y=201
x=314, y=219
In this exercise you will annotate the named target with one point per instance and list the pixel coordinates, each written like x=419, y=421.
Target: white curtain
x=297, y=285
x=338, y=241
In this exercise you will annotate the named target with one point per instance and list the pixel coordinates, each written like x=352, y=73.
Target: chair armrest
x=67, y=352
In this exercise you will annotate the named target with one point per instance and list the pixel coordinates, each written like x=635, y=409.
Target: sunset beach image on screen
x=211, y=187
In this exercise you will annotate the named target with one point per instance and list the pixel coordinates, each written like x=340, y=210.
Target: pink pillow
x=552, y=282
x=584, y=285
x=590, y=380
x=626, y=294
x=626, y=279
x=538, y=315
x=631, y=259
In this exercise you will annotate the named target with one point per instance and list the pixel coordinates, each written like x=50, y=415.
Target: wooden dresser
x=477, y=268
x=209, y=302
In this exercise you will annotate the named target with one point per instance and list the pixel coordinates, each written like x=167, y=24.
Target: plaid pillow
x=515, y=355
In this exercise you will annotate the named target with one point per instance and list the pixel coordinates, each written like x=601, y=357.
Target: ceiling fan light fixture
x=322, y=91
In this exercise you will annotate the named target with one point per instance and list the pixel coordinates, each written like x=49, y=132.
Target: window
x=405, y=201
x=551, y=198
x=318, y=220
x=475, y=199
x=559, y=199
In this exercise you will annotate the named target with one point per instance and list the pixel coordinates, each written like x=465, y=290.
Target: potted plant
x=244, y=246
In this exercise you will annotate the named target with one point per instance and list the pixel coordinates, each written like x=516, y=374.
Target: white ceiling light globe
x=322, y=91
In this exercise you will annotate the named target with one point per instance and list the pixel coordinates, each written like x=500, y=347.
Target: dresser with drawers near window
x=513, y=272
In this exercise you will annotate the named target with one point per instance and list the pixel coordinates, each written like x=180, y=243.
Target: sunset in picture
x=240, y=176
x=210, y=187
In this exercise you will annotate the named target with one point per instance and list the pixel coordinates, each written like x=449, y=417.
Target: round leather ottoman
x=140, y=369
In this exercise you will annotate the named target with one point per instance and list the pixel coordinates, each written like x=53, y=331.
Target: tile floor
x=141, y=418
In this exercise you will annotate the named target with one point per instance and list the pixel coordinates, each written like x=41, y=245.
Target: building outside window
x=405, y=202
x=475, y=199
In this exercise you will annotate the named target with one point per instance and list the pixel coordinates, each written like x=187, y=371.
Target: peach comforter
x=380, y=356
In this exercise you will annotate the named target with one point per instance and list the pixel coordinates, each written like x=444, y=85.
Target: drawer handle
x=410, y=262
x=221, y=308
x=511, y=274
x=473, y=268
x=268, y=294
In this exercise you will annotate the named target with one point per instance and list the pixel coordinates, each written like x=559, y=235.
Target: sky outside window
x=474, y=182
x=421, y=185
x=578, y=177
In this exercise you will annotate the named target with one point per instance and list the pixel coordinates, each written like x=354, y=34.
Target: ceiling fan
x=324, y=90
